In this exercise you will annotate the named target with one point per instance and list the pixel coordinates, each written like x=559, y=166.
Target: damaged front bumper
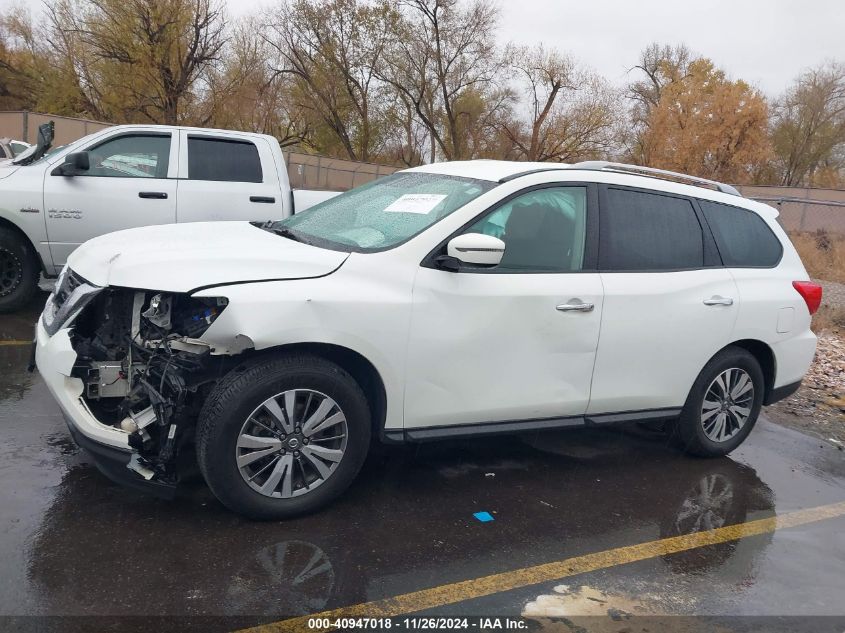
x=108, y=446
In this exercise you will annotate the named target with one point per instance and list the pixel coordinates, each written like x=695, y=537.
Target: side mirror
x=476, y=249
x=74, y=164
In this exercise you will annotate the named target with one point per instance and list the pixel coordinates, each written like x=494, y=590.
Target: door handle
x=153, y=195
x=575, y=307
x=719, y=301
x=264, y=199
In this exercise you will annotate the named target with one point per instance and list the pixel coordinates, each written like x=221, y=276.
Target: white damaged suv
x=454, y=299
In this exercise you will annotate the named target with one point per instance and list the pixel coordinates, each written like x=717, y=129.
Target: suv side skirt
x=508, y=427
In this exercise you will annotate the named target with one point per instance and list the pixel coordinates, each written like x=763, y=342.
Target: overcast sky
x=765, y=42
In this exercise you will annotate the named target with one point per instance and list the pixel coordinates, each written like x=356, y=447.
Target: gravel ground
x=818, y=407
x=833, y=293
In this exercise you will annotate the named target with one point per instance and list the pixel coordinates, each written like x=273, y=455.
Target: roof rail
x=651, y=172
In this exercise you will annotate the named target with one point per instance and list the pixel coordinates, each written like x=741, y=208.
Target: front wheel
x=723, y=404
x=19, y=271
x=283, y=436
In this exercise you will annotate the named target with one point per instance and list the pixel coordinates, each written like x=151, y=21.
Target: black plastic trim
x=508, y=427
x=112, y=463
x=780, y=393
x=634, y=416
x=540, y=170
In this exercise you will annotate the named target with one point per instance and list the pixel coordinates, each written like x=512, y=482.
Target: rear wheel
x=723, y=404
x=283, y=436
x=19, y=271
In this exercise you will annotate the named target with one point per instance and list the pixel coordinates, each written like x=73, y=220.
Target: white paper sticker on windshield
x=416, y=203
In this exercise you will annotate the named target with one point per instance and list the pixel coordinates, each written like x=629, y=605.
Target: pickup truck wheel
x=723, y=404
x=283, y=436
x=19, y=271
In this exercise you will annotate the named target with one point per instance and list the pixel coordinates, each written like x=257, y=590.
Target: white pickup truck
x=53, y=200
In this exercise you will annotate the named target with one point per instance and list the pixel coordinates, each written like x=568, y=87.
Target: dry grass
x=829, y=318
x=823, y=254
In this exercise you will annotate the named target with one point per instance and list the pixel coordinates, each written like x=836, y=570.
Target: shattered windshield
x=383, y=213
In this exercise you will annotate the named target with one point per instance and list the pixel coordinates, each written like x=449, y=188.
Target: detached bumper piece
x=115, y=464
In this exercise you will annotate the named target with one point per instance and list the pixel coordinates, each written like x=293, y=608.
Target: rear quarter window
x=743, y=237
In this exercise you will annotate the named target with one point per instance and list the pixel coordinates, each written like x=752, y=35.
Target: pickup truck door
x=226, y=176
x=131, y=183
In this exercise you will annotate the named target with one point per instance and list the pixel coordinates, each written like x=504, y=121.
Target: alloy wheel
x=727, y=404
x=11, y=272
x=291, y=443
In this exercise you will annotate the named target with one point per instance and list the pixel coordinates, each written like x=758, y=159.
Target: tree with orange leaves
x=707, y=125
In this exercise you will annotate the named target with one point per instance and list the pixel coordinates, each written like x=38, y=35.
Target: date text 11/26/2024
x=479, y=623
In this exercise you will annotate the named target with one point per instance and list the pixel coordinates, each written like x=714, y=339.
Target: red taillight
x=810, y=292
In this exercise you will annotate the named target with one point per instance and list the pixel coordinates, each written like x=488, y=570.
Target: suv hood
x=184, y=257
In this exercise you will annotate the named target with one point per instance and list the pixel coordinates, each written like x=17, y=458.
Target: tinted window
x=2, y=152
x=223, y=160
x=140, y=156
x=543, y=230
x=645, y=231
x=742, y=236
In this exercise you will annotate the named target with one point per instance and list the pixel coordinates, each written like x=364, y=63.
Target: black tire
x=19, y=271
x=237, y=396
x=690, y=430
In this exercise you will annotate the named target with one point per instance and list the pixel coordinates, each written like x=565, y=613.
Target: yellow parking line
x=527, y=576
x=14, y=343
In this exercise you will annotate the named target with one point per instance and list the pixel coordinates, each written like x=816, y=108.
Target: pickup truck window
x=223, y=160
x=383, y=213
x=18, y=148
x=131, y=156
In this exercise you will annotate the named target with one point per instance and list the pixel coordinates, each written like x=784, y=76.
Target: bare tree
x=444, y=52
x=808, y=126
x=331, y=48
x=244, y=93
x=135, y=58
x=572, y=113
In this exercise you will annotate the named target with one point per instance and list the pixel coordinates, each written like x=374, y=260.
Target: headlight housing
x=72, y=293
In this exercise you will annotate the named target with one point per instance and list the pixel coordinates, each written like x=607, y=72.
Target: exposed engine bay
x=145, y=372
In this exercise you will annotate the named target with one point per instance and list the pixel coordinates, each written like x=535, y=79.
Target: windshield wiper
x=288, y=233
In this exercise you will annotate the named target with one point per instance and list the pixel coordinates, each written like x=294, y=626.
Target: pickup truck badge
x=30, y=210
x=67, y=214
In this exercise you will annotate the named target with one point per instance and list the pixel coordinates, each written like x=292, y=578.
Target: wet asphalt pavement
x=74, y=544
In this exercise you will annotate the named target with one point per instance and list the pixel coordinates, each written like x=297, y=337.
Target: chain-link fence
x=803, y=209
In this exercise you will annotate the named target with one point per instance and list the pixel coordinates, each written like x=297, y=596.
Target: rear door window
x=223, y=160
x=648, y=232
x=743, y=237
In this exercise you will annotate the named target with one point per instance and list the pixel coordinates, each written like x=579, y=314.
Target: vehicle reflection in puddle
x=405, y=525
x=293, y=573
